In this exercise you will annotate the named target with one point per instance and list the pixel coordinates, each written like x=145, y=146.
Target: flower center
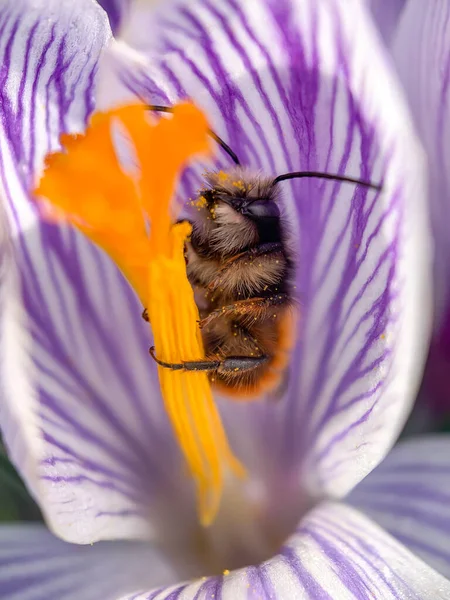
x=255, y=519
x=124, y=207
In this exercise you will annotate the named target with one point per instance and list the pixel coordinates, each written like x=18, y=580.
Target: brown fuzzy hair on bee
x=242, y=182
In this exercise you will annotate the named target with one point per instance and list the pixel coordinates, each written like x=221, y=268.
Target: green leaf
x=16, y=504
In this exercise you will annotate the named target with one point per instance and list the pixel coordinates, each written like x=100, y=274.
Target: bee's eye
x=261, y=209
x=208, y=195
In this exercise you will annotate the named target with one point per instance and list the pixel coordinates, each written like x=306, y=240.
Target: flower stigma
x=128, y=214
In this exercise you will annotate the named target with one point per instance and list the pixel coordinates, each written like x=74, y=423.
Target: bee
x=241, y=268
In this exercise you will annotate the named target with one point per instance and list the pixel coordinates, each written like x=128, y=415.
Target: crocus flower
x=288, y=86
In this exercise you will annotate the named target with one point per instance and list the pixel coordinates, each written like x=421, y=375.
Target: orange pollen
x=115, y=183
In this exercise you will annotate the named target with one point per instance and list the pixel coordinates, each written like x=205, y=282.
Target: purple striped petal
x=34, y=565
x=423, y=40
x=387, y=15
x=304, y=85
x=90, y=388
x=336, y=554
x=409, y=495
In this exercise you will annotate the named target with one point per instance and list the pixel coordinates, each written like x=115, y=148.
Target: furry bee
x=241, y=268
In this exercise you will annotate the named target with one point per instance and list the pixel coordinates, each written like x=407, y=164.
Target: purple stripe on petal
x=346, y=570
x=210, y=589
x=305, y=579
x=175, y=595
x=365, y=554
x=260, y=584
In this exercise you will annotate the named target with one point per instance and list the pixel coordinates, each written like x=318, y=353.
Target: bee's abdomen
x=269, y=339
x=245, y=303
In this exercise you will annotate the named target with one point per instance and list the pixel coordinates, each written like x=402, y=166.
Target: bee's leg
x=229, y=364
x=252, y=306
x=145, y=315
x=191, y=365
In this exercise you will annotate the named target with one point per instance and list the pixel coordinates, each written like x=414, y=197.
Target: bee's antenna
x=222, y=144
x=318, y=175
x=225, y=146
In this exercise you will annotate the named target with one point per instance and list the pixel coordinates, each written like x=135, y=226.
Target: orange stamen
x=90, y=187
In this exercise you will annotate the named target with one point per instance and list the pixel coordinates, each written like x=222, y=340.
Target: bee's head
x=239, y=210
x=248, y=194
